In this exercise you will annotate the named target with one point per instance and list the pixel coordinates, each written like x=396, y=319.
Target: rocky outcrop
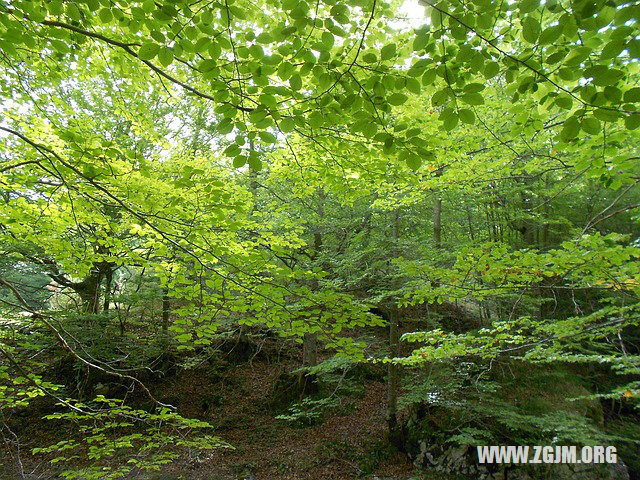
x=462, y=461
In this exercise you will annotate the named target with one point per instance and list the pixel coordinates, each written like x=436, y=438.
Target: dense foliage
x=178, y=175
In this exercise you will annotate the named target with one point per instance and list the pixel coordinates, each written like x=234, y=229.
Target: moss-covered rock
x=457, y=408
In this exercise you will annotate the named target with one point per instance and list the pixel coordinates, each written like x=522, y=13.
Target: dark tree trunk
x=89, y=291
x=310, y=350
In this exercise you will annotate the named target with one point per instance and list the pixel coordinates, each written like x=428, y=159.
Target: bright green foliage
x=177, y=172
x=150, y=447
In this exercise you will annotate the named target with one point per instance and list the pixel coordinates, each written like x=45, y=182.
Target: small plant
x=333, y=397
x=308, y=411
x=119, y=440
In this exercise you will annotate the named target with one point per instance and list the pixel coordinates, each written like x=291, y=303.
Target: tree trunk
x=89, y=291
x=310, y=340
x=437, y=209
x=470, y=222
x=107, y=289
x=437, y=229
x=545, y=227
x=166, y=306
x=392, y=372
x=310, y=350
x=393, y=380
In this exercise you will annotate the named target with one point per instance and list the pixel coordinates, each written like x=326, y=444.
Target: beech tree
x=287, y=166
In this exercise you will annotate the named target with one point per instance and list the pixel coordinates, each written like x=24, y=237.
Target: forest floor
x=235, y=395
x=348, y=446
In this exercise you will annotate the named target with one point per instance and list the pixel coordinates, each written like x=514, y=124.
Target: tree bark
x=89, y=291
x=310, y=340
x=437, y=210
x=437, y=229
x=393, y=380
x=310, y=350
x=166, y=306
x=107, y=289
x=392, y=372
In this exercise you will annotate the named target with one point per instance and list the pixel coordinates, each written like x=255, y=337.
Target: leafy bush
x=118, y=440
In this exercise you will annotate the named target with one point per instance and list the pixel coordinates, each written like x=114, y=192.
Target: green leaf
x=73, y=12
x=268, y=101
x=369, y=57
x=420, y=41
x=232, y=150
x=55, y=7
x=264, y=38
x=530, y=29
x=551, y=34
x=256, y=51
x=397, y=98
x=287, y=125
x=474, y=98
x=225, y=126
x=590, y=125
x=295, y=82
x=165, y=56
x=255, y=163
x=316, y=119
x=149, y=5
x=148, y=51
x=467, y=116
x=528, y=6
x=632, y=95
x=612, y=49
x=214, y=50
x=606, y=114
x=413, y=161
x=268, y=137
x=207, y=65
x=327, y=39
x=491, y=69
x=388, y=51
x=474, y=87
x=564, y=101
x=429, y=77
x=631, y=122
x=105, y=15
x=450, y=122
x=239, y=161
x=449, y=119
x=339, y=10
x=8, y=47
x=603, y=76
x=413, y=85
x=570, y=129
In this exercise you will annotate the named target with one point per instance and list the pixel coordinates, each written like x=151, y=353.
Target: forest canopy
x=439, y=210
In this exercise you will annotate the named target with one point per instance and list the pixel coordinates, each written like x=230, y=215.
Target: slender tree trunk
x=310, y=340
x=437, y=229
x=166, y=307
x=545, y=227
x=253, y=179
x=437, y=209
x=392, y=391
x=107, y=289
x=528, y=225
x=393, y=373
x=470, y=222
